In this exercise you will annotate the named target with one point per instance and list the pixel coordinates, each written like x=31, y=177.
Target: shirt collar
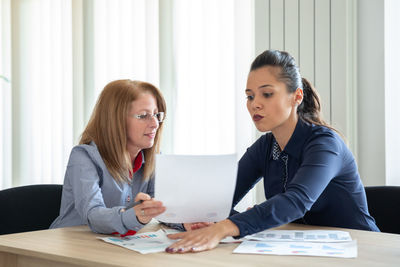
x=295, y=143
x=276, y=150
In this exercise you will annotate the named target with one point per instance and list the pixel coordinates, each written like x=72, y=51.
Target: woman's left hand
x=202, y=239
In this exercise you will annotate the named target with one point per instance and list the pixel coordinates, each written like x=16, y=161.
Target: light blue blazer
x=92, y=197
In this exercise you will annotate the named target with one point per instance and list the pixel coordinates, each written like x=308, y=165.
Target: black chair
x=29, y=208
x=384, y=206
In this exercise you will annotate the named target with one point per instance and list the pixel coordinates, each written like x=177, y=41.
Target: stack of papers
x=295, y=242
x=273, y=242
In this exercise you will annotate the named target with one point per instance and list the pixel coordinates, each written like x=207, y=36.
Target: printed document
x=143, y=243
x=339, y=250
x=299, y=235
x=150, y=242
x=195, y=188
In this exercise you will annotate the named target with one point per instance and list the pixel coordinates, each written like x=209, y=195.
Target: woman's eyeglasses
x=147, y=117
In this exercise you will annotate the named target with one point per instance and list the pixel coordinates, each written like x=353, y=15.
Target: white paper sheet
x=339, y=250
x=195, y=188
x=298, y=235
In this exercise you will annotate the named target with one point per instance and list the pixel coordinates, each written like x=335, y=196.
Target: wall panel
x=306, y=39
x=277, y=29
x=339, y=72
x=292, y=27
x=322, y=55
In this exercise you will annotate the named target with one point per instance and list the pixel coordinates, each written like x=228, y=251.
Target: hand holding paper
x=147, y=208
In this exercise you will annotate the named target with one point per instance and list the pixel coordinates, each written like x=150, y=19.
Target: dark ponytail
x=310, y=109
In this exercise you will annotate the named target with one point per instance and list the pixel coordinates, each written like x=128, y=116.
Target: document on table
x=340, y=250
x=328, y=243
x=143, y=243
x=195, y=188
x=298, y=235
x=150, y=242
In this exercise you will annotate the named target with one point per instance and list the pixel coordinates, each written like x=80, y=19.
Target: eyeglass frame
x=148, y=116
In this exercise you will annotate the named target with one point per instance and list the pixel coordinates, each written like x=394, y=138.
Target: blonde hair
x=107, y=127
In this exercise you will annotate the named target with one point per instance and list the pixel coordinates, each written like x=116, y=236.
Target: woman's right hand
x=148, y=209
x=202, y=239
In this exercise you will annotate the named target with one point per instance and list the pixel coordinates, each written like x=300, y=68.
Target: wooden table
x=78, y=246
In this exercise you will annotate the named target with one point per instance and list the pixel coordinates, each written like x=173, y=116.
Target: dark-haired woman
x=310, y=176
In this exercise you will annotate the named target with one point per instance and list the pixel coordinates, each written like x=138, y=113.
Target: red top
x=138, y=162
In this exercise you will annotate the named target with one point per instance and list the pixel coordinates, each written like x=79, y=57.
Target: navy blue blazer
x=319, y=184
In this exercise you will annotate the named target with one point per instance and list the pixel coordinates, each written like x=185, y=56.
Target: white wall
x=392, y=92
x=371, y=92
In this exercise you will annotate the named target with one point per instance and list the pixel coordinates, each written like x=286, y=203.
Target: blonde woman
x=109, y=181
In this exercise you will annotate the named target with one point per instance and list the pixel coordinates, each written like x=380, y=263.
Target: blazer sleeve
x=83, y=175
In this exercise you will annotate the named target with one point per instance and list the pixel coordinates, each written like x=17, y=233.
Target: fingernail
x=171, y=250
